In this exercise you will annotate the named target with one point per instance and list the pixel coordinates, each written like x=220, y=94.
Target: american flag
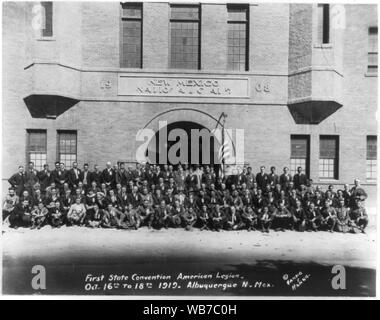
x=224, y=153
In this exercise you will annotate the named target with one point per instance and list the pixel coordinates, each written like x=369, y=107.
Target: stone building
x=81, y=78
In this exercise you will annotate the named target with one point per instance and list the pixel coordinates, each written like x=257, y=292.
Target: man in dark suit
x=17, y=180
x=74, y=175
x=30, y=177
x=85, y=177
x=121, y=175
x=273, y=178
x=108, y=176
x=96, y=175
x=44, y=176
x=55, y=175
x=299, y=179
x=250, y=177
x=64, y=177
x=262, y=178
x=285, y=179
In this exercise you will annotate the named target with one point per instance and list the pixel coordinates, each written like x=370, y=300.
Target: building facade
x=81, y=78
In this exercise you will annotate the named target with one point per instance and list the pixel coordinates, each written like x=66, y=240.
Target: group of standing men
x=185, y=196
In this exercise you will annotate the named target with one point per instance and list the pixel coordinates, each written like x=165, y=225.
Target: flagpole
x=223, y=162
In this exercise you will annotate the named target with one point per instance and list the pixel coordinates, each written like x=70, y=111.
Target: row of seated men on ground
x=230, y=204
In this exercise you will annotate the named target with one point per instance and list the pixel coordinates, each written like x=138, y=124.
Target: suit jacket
x=73, y=179
x=108, y=177
x=284, y=180
x=299, y=179
x=134, y=199
x=250, y=180
x=262, y=180
x=17, y=181
x=67, y=201
x=57, y=176
x=97, y=177
x=44, y=178
x=30, y=178
x=273, y=179
x=121, y=177
x=299, y=214
x=88, y=178
x=313, y=214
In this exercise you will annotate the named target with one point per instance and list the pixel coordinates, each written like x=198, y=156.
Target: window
x=372, y=50
x=237, y=38
x=184, y=31
x=36, y=148
x=299, y=153
x=131, y=37
x=328, y=157
x=47, y=15
x=371, y=171
x=323, y=23
x=67, y=147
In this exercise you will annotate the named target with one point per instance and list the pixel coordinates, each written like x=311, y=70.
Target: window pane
x=67, y=147
x=323, y=32
x=236, y=41
x=372, y=39
x=131, y=38
x=327, y=168
x=184, y=45
x=37, y=141
x=36, y=148
x=298, y=147
x=328, y=157
x=372, y=147
x=371, y=169
x=131, y=44
x=299, y=157
x=327, y=148
x=295, y=163
x=68, y=159
x=47, y=30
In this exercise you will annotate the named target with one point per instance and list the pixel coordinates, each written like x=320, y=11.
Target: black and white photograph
x=183, y=149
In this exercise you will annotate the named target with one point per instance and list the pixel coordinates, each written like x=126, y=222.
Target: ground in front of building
x=70, y=254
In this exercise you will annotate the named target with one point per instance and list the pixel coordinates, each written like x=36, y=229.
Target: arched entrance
x=195, y=141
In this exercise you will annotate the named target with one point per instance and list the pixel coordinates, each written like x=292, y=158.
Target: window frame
x=40, y=36
x=371, y=161
x=246, y=23
x=372, y=69
x=325, y=25
x=121, y=33
x=59, y=132
x=176, y=20
x=306, y=168
x=27, y=149
x=336, y=159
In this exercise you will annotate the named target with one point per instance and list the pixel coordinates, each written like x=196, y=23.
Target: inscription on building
x=183, y=87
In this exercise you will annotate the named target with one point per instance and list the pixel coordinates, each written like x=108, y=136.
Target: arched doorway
x=203, y=149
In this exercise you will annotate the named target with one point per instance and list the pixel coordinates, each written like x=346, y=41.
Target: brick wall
x=280, y=42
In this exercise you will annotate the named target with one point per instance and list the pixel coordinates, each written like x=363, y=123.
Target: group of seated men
x=181, y=197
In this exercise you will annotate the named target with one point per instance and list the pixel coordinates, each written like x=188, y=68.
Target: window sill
x=46, y=38
x=323, y=46
x=328, y=180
